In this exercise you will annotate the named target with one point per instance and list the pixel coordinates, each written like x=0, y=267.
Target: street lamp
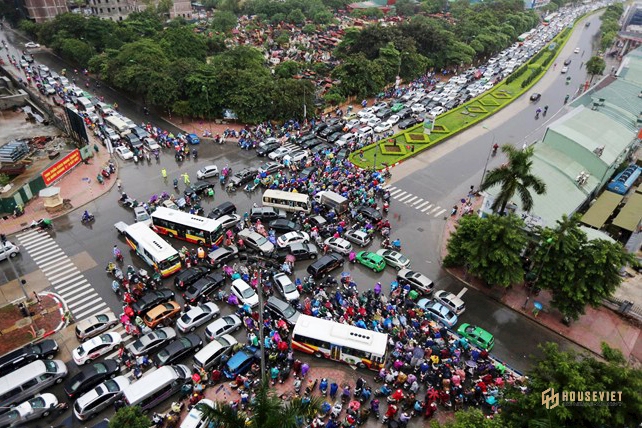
x=492, y=144
x=259, y=291
x=21, y=282
x=207, y=99
x=374, y=162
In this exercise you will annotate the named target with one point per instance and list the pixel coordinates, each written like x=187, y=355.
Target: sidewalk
x=79, y=186
x=589, y=331
x=16, y=330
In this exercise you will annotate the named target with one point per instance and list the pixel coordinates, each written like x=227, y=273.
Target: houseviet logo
x=551, y=399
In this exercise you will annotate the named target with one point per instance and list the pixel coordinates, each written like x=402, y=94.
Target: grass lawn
x=415, y=140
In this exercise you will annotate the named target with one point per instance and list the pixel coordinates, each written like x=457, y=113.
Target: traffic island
x=23, y=322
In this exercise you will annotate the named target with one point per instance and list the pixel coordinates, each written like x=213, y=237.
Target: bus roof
x=187, y=219
x=153, y=243
x=342, y=334
x=294, y=196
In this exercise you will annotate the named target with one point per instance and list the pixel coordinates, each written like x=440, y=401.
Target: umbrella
x=345, y=274
x=491, y=400
x=471, y=364
x=538, y=305
x=432, y=394
x=499, y=381
x=354, y=405
x=290, y=258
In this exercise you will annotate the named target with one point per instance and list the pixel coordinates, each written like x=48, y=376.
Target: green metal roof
x=602, y=209
x=630, y=216
x=631, y=67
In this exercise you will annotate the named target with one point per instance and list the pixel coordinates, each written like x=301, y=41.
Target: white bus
x=289, y=201
x=340, y=342
x=118, y=125
x=188, y=227
x=150, y=247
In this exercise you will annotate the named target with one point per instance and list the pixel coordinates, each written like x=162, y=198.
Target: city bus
x=155, y=251
x=340, y=342
x=188, y=227
x=289, y=201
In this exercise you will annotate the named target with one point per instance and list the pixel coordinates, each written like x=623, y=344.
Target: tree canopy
x=130, y=417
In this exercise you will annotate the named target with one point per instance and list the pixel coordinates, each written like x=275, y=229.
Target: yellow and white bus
x=188, y=227
x=340, y=342
x=153, y=249
x=289, y=201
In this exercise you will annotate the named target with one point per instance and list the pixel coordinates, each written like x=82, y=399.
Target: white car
x=436, y=111
x=195, y=418
x=224, y=325
x=373, y=122
x=151, y=144
x=339, y=245
x=31, y=45
x=96, y=347
x=351, y=124
x=366, y=112
x=451, y=301
x=292, y=238
x=207, y=171
x=577, y=50
x=286, y=287
x=279, y=153
x=564, y=70
x=418, y=108
x=39, y=407
x=392, y=120
x=124, y=153
x=382, y=127
x=358, y=237
x=245, y=293
x=197, y=316
x=394, y=259
x=10, y=249
x=365, y=119
x=297, y=156
x=50, y=90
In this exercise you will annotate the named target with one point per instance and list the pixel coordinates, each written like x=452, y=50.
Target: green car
x=397, y=107
x=477, y=335
x=371, y=260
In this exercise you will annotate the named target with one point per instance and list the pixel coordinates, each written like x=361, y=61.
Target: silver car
x=95, y=324
x=99, y=398
x=151, y=341
x=256, y=241
x=339, y=245
x=197, y=316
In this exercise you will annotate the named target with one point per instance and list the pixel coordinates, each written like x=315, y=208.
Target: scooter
x=136, y=159
x=41, y=224
x=18, y=211
x=89, y=218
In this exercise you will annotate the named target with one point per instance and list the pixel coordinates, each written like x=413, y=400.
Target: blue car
x=240, y=363
x=193, y=139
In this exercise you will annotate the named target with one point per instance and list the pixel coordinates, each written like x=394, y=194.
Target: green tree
x=359, y=76
x=489, y=247
x=181, y=108
x=405, y=7
x=594, y=66
x=182, y=42
x=75, y=50
x=471, y=418
x=265, y=411
x=4, y=179
x=289, y=96
x=224, y=21
x=287, y=69
x=569, y=371
x=514, y=177
x=130, y=417
x=296, y=17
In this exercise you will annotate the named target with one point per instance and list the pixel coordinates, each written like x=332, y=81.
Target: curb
x=62, y=308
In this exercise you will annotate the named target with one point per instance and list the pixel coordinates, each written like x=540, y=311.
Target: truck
x=332, y=200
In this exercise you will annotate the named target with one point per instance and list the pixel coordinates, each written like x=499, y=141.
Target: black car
x=244, y=176
x=404, y=113
x=384, y=113
x=310, y=143
x=282, y=310
x=140, y=132
x=330, y=130
x=45, y=349
x=333, y=138
x=222, y=209
x=152, y=298
x=322, y=148
x=221, y=255
x=325, y=265
x=567, y=62
x=203, y=287
x=407, y=123
x=178, y=349
x=265, y=214
x=267, y=148
x=187, y=277
x=300, y=251
x=307, y=173
x=134, y=142
x=320, y=126
x=536, y=96
x=342, y=154
x=305, y=138
x=283, y=225
x=90, y=376
x=369, y=213
x=197, y=188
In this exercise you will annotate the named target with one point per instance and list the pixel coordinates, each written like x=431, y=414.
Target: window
x=31, y=383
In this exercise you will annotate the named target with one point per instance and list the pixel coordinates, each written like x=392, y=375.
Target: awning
x=630, y=216
x=600, y=211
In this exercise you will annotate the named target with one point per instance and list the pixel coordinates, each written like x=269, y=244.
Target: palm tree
x=514, y=177
x=266, y=410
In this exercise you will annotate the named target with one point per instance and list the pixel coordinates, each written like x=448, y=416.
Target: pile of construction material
x=14, y=151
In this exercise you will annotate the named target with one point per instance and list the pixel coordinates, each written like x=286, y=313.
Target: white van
x=211, y=354
x=156, y=386
x=29, y=380
x=85, y=104
x=194, y=418
x=364, y=132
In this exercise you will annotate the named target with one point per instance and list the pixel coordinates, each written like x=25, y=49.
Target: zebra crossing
x=413, y=201
x=79, y=295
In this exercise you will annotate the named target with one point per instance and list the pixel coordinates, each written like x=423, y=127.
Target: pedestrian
x=185, y=178
x=35, y=296
x=525, y=303
x=164, y=173
x=119, y=184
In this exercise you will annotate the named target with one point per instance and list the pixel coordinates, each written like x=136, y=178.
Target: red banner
x=58, y=169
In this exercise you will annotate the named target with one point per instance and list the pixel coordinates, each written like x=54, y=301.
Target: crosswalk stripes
x=415, y=202
x=81, y=298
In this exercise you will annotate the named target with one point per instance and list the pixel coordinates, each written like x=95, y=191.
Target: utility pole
x=259, y=291
x=21, y=282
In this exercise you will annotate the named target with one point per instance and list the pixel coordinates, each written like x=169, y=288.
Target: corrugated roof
x=602, y=209
x=623, y=96
x=630, y=216
x=631, y=67
x=592, y=234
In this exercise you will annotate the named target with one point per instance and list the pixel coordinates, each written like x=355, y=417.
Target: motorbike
x=115, y=286
x=566, y=99
x=105, y=172
x=18, y=211
x=494, y=152
x=194, y=154
x=176, y=183
x=41, y=224
x=135, y=159
x=323, y=386
x=386, y=207
x=100, y=179
x=89, y=218
x=148, y=157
